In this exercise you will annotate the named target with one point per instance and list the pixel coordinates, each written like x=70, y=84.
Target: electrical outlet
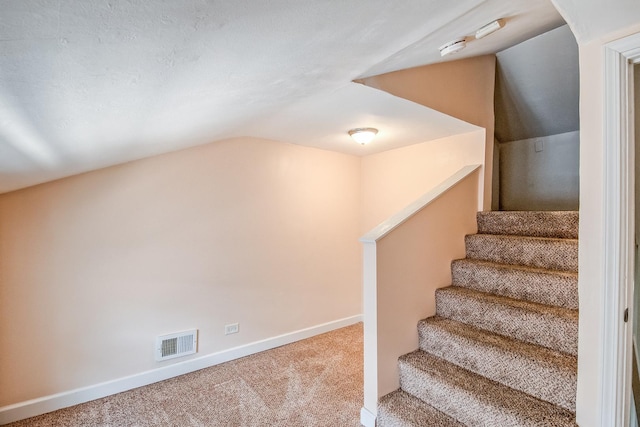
x=232, y=328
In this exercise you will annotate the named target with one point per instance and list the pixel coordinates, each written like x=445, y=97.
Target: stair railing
x=405, y=259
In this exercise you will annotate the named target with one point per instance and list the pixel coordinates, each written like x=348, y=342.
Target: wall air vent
x=176, y=345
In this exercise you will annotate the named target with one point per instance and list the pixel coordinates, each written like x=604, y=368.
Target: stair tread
x=526, y=268
x=400, y=409
x=473, y=399
x=512, y=302
x=538, y=252
x=547, y=374
x=539, y=223
x=544, y=286
x=549, y=326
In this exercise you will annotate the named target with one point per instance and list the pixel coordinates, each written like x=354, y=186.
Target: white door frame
x=619, y=173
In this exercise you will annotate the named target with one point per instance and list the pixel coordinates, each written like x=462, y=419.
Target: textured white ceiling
x=523, y=20
x=91, y=83
x=592, y=19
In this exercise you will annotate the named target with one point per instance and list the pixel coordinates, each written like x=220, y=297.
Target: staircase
x=501, y=349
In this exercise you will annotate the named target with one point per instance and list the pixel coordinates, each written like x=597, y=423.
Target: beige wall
x=636, y=95
x=540, y=174
x=463, y=89
x=592, y=254
x=393, y=179
x=592, y=205
x=95, y=266
x=636, y=296
x=411, y=262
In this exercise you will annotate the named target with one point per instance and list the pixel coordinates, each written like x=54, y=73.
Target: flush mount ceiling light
x=453, y=46
x=363, y=135
x=492, y=27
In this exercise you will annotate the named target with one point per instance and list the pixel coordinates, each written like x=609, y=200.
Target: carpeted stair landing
x=501, y=349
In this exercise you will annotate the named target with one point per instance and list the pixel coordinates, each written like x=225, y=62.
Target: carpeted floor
x=315, y=382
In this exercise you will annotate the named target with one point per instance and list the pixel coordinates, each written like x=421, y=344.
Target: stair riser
x=557, y=333
x=539, y=224
x=399, y=409
x=545, y=381
x=557, y=289
x=469, y=408
x=552, y=254
x=451, y=400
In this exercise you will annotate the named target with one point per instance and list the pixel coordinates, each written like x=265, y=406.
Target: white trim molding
x=367, y=419
x=615, y=374
x=34, y=407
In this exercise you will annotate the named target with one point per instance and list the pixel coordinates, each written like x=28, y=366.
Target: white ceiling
x=593, y=19
x=91, y=83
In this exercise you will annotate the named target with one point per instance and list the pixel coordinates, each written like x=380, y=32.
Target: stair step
x=558, y=288
x=552, y=327
x=472, y=399
x=560, y=224
x=537, y=252
x=543, y=373
x=400, y=409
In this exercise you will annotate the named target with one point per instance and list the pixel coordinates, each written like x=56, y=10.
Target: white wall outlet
x=232, y=328
x=539, y=145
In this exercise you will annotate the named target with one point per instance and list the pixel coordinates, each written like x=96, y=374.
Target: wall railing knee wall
x=405, y=259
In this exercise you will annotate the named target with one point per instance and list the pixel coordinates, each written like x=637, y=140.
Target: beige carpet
x=315, y=382
x=502, y=348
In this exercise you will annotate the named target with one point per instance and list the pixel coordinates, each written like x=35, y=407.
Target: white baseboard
x=367, y=419
x=42, y=405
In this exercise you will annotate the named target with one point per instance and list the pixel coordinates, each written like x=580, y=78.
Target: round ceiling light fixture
x=363, y=135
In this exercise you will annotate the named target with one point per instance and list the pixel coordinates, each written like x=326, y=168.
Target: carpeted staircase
x=501, y=349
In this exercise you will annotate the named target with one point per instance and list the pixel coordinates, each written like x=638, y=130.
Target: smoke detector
x=453, y=46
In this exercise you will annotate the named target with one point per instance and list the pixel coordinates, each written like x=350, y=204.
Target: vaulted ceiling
x=537, y=87
x=86, y=84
